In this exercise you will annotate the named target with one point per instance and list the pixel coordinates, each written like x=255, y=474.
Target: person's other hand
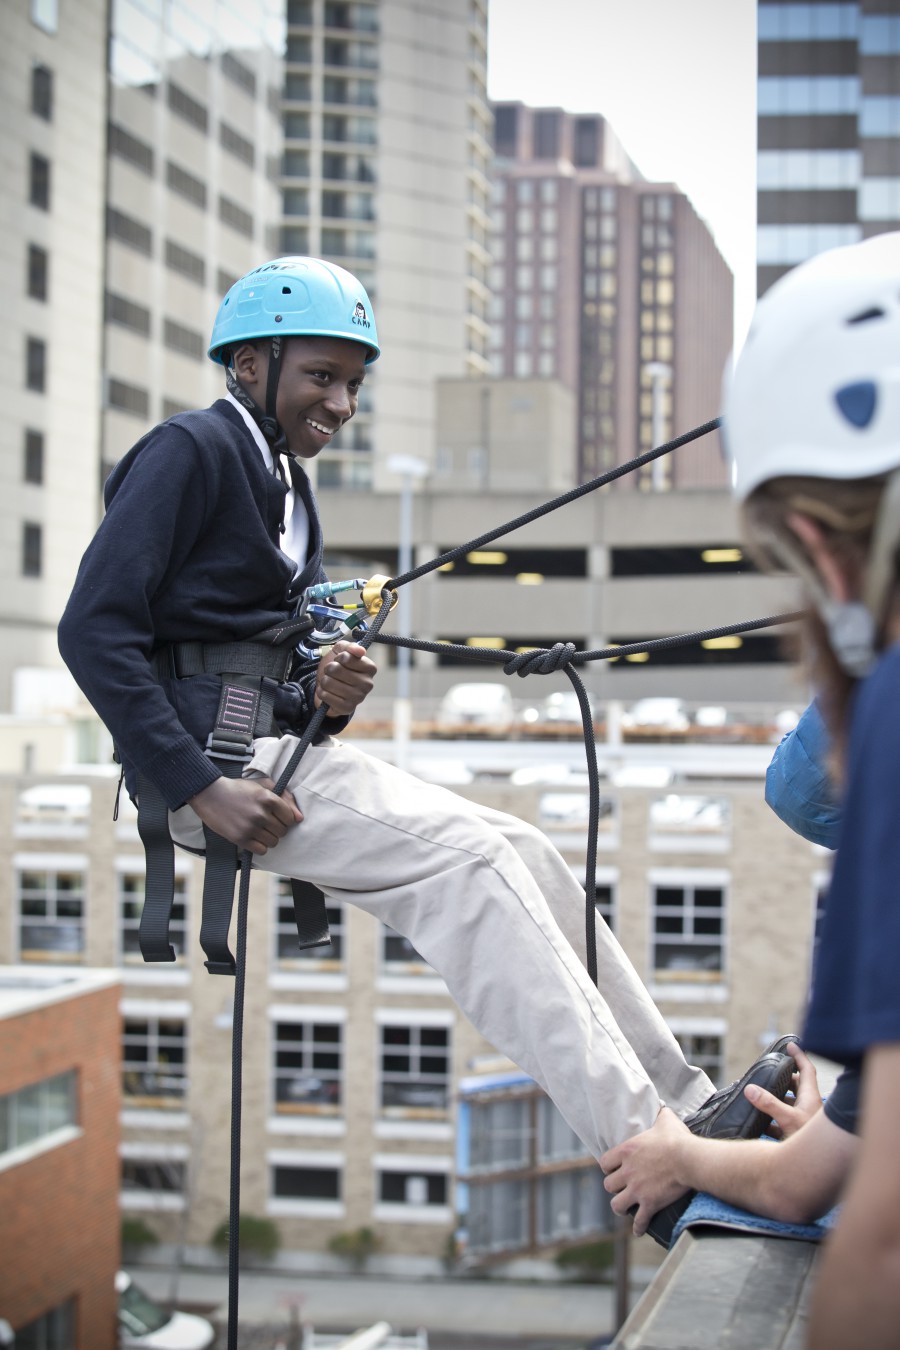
x=641, y=1173
x=788, y=1116
x=346, y=675
x=247, y=812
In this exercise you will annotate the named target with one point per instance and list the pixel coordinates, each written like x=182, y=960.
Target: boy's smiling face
x=318, y=387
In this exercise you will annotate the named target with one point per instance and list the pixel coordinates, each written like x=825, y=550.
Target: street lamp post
x=660, y=374
x=409, y=469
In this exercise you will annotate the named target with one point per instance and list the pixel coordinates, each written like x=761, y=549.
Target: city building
x=353, y=1054
x=610, y=284
x=141, y=161
x=52, y=189
x=385, y=170
x=59, y=1132
x=828, y=169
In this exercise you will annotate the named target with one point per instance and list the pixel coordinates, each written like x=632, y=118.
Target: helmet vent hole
x=867, y=314
x=285, y=290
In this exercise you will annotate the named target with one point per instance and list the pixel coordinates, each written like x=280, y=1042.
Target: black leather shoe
x=728, y=1115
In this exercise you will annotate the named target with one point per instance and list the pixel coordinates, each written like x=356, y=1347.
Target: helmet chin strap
x=266, y=421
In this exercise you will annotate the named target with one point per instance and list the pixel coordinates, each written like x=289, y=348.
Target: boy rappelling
x=186, y=628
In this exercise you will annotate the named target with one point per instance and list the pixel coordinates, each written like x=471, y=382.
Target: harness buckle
x=232, y=746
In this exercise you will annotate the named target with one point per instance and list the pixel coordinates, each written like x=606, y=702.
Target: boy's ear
x=246, y=362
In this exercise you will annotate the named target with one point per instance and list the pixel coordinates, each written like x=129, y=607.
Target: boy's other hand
x=346, y=675
x=247, y=812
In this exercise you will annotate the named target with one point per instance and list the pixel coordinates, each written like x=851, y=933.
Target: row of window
x=298, y=1182
x=876, y=34
x=687, y=914
x=308, y=1058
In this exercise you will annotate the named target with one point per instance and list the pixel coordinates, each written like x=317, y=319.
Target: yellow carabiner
x=371, y=594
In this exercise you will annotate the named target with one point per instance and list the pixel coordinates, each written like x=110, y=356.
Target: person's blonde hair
x=847, y=510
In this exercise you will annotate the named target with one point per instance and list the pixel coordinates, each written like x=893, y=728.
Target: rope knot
x=541, y=661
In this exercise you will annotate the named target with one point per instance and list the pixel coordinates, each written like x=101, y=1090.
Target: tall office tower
x=610, y=284
x=52, y=81
x=140, y=161
x=829, y=128
x=194, y=143
x=385, y=171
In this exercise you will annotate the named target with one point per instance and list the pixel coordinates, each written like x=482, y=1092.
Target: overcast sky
x=677, y=81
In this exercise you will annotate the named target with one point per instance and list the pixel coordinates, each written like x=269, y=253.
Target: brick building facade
x=59, y=1171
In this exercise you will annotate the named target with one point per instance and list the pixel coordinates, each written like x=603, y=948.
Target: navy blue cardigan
x=188, y=551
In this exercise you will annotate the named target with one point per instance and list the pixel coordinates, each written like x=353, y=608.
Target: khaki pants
x=493, y=907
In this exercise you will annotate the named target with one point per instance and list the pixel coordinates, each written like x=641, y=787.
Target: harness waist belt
x=179, y=660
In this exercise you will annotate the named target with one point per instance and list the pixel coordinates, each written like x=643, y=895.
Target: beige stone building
x=352, y=1055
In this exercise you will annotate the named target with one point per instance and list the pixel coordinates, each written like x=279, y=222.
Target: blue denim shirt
x=798, y=788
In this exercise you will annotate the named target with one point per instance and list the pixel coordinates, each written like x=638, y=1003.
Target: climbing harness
x=249, y=671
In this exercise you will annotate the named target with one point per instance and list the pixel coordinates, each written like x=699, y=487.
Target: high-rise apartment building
x=140, y=165
x=385, y=170
x=52, y=81
x=610, y=284
x=828, y=169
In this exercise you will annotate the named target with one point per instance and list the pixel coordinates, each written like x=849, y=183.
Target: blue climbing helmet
x=288, y=297
x=295, y=297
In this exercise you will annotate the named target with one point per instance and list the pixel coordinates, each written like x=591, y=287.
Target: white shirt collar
x=254, y=430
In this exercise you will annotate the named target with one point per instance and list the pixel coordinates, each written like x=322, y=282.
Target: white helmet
x=816, y=389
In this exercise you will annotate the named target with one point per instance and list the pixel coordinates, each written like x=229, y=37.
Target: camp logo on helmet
x=360, y=316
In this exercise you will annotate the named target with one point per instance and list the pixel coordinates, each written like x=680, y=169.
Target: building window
x=154, y=1062
x=236, y=144
x=238, y=73
x=688, y=929
x=33, y=463
x=288, y=955
x=412, y=1187
x=42, y=92
x=54, y=1330
x=184, y=340
x=154, y=1182
x=230, y=213
x=415, y=1071
x=181, y=103
x=606, y=903
x=53, y=811
x=38, y=272
x=51, y=914
x=36, y=364
x=571, y=1204
x=187, y=264
x=130, y=148
x=399, y=956
x=32, y=550
x=39, y=181
x=127, y=314
x=500, y=1133
x=308, y=1070
x=186, y=184
x=45, y=14
x=37, y=1111
x=705, y=1050
x=131, y=907
x=305, y=1182
x=128, y=398
x=128, y=231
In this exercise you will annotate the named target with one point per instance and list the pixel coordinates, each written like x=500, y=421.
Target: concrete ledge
x=718, y=1289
